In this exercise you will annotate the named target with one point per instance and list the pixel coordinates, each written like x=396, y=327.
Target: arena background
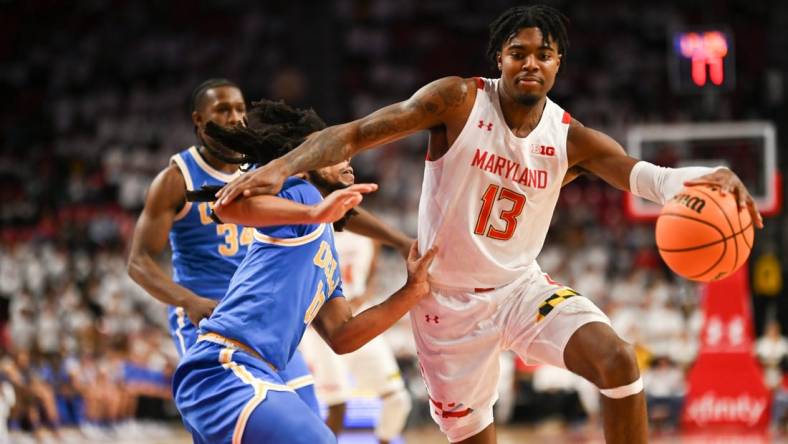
x=94, y=98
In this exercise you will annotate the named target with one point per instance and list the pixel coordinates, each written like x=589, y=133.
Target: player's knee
x=618, y=366
x=393, y=415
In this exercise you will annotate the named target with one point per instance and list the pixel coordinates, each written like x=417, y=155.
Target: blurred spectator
x=771, y=349
x=665, y=390
x=780, y=400
x=683, y=349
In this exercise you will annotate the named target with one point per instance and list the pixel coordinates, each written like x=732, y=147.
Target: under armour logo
x=434, y=318
x=482, y=125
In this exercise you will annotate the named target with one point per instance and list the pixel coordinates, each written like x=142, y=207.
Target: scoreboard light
x=702, y=60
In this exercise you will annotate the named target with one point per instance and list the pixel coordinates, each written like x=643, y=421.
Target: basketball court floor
x=544, y=433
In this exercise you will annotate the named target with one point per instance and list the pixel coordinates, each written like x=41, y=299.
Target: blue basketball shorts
x=226, y=395
x=296, y=375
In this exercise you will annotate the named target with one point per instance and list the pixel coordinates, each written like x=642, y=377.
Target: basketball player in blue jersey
x=204, y=255
x=227, y=387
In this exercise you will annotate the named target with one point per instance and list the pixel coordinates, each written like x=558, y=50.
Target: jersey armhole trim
x=292, y=242
x=178, y=161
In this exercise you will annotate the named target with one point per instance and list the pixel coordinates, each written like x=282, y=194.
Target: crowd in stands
x=93, y=111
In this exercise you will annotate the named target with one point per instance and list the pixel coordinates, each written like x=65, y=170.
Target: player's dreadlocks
x=549, y=20
x=273, y=129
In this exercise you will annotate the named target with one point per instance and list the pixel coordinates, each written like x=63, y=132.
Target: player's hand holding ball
x=728, y=182
x=705, y=232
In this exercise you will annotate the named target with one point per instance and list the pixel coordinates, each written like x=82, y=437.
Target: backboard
x=748, y=148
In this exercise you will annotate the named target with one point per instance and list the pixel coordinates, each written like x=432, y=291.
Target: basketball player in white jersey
x=373, y=366
x=499, y=151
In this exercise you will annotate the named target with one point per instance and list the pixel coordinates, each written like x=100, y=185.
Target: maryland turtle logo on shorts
x=553, y=300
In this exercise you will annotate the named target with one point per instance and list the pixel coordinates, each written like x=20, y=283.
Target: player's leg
x=596, y=353
x=227, y=396
x=298, y=378
x=486, y=436
x=183, y=332
x=504, y=408
x=374, y=368
x=330, y=374
x=335, y=418
x=573, y=333
x=459, y=343
x=284, y=417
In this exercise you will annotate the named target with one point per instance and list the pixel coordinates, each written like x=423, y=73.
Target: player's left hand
x=199, y=308
x=339, y=202
x=418, y=268
x=729, y=182
x=267, y=179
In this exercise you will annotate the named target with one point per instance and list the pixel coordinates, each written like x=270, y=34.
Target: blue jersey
x=204, y=254
x=289, y=272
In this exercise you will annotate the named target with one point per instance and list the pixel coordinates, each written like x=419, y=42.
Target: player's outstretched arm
x=432, y=105
x=599, y=154
x=264, y=211
x=345, y=333
x=367, y=224
x=165, y=197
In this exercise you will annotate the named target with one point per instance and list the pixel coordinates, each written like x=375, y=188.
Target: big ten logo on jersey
x=324, y=259
x=543, y=150
x=232, y=239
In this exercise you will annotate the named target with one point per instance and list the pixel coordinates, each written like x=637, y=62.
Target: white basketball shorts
x=460, y=333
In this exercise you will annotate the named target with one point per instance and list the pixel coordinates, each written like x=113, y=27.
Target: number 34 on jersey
x=232, y=239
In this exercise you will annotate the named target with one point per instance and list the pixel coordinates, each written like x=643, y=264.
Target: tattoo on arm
x=422, y=111
x=322, y=149
x=425, y=109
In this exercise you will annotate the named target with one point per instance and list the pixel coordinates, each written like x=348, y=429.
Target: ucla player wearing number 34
x=227, y=387
x=204, y=255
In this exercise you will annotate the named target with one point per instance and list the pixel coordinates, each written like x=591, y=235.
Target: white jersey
x=355, y=259
x=487, y=203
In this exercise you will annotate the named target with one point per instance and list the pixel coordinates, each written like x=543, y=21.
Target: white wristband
x=659, y=184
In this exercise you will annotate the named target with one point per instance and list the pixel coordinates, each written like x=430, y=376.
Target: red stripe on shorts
x=459, y=414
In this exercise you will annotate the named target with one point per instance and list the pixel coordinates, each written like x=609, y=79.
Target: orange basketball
x=702, y=236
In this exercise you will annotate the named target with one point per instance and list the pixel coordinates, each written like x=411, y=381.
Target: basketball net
x=726, y=386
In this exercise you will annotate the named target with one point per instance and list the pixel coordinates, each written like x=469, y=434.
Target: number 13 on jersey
x=491, y=195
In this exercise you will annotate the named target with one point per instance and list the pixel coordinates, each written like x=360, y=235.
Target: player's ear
x=197, y=119
x=498, y=60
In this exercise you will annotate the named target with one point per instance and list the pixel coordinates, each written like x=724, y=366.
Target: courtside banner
x=725, y=386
